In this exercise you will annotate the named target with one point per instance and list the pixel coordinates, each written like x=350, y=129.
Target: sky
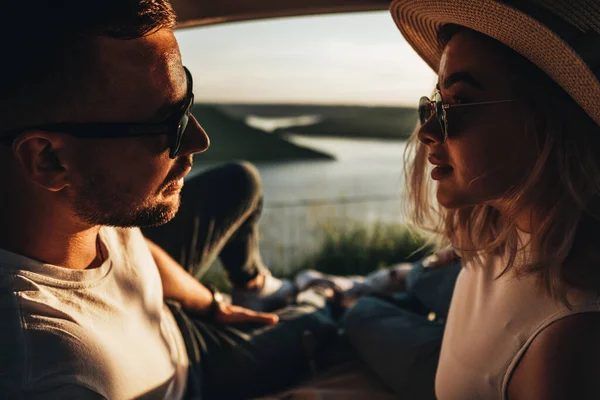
x=357, y=58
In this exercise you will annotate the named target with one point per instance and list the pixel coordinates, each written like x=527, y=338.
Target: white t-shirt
x=91, y=334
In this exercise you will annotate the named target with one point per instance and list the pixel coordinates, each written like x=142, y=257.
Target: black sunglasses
x=174, y=126
x=436, y=106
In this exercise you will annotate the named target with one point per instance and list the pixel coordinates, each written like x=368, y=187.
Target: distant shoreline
x=232, y=139
x=350, y=121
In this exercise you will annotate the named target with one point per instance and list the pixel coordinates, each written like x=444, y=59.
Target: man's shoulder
x=12, y=337
x=31, y=344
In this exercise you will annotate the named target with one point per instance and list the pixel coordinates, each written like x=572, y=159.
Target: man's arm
x=179, y=285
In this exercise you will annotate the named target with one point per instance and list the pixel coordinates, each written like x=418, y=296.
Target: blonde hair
x=562, y=187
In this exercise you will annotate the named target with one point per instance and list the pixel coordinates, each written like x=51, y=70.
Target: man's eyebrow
x=462, y=77
x=165, y=110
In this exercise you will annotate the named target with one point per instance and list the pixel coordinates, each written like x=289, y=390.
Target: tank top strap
x=584, y=307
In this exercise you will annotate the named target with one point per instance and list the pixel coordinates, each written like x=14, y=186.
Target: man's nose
x=195, y=139
x=431, y=132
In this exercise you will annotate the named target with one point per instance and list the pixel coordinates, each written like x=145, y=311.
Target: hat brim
x=420, y=21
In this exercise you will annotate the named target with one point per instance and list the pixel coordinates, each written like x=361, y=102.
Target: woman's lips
x=441, y=172
x=442, y=169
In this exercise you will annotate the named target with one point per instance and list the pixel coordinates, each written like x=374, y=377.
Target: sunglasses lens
x=440, y=112
x=183, y=122
x=424, y=110
x=185, y=118
x=181, y=127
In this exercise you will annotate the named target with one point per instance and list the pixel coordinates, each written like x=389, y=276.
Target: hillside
x=344, y=121
x=232, y=139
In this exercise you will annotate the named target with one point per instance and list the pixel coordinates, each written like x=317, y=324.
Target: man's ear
x=39, y=152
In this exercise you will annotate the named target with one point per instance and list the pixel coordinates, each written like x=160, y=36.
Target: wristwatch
x=217, y=299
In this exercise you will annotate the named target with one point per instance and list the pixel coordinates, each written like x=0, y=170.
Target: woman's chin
x=450, y=199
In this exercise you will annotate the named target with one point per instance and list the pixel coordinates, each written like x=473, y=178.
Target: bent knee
x=230, y=186
x=244, y=177
x=245, y=172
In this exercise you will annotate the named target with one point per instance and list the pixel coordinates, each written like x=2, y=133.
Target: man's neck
x=49, y=235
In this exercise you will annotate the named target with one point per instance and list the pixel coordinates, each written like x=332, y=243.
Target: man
x=97, y=138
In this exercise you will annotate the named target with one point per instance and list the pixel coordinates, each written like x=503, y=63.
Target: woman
x=510, y=145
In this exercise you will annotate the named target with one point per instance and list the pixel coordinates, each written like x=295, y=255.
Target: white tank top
x=490, y=325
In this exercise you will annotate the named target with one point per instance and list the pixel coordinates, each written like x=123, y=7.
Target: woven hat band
x=584, y=40
x=561, y=37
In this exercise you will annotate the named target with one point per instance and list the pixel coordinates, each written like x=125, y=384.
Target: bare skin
x=61, y=189
x=488, y=151
x=179, y=284
x=561, y=363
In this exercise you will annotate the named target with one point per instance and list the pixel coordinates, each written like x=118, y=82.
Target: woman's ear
x=38, y=153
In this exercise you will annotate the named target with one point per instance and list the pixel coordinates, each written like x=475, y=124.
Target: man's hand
x=228, y=314
x=179, y=285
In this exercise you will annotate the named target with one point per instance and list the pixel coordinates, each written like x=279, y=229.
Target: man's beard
x=101, y=201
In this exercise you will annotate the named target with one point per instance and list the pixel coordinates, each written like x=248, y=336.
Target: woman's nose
x=431, y=132
x=195, y=139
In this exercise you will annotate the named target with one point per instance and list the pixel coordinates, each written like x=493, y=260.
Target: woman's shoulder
x=562, y=362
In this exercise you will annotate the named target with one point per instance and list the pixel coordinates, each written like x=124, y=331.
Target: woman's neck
x=524, y=222
x=524, y=219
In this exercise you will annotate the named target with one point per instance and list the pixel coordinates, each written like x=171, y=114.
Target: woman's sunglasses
x=174, y=126
x=436, y=106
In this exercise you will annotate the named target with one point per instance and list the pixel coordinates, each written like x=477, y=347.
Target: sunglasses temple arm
x=483, y=103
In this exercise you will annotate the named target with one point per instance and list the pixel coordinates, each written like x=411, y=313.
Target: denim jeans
x=399, y=336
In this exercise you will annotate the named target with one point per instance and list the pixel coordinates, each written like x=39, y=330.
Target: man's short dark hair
x=48, y=48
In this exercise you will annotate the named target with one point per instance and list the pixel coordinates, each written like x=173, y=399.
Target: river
x=302, y=198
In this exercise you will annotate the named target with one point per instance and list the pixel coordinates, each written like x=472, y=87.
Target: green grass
x=359, y=249
x=354, y=250
x=217, y=276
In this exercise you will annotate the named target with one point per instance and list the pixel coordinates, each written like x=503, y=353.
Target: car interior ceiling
x=197, y=12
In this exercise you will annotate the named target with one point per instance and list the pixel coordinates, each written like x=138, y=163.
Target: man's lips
x=177, y=178
x=183, y=174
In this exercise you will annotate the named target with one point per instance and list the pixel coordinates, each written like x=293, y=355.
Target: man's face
x=132, y=181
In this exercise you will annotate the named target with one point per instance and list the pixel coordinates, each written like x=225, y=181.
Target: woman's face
x=487, y=151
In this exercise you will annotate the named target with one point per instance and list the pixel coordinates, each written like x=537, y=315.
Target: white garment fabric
x=491, y=324
x=91, y=334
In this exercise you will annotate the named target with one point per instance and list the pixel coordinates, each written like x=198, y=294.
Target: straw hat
x=562, y=37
